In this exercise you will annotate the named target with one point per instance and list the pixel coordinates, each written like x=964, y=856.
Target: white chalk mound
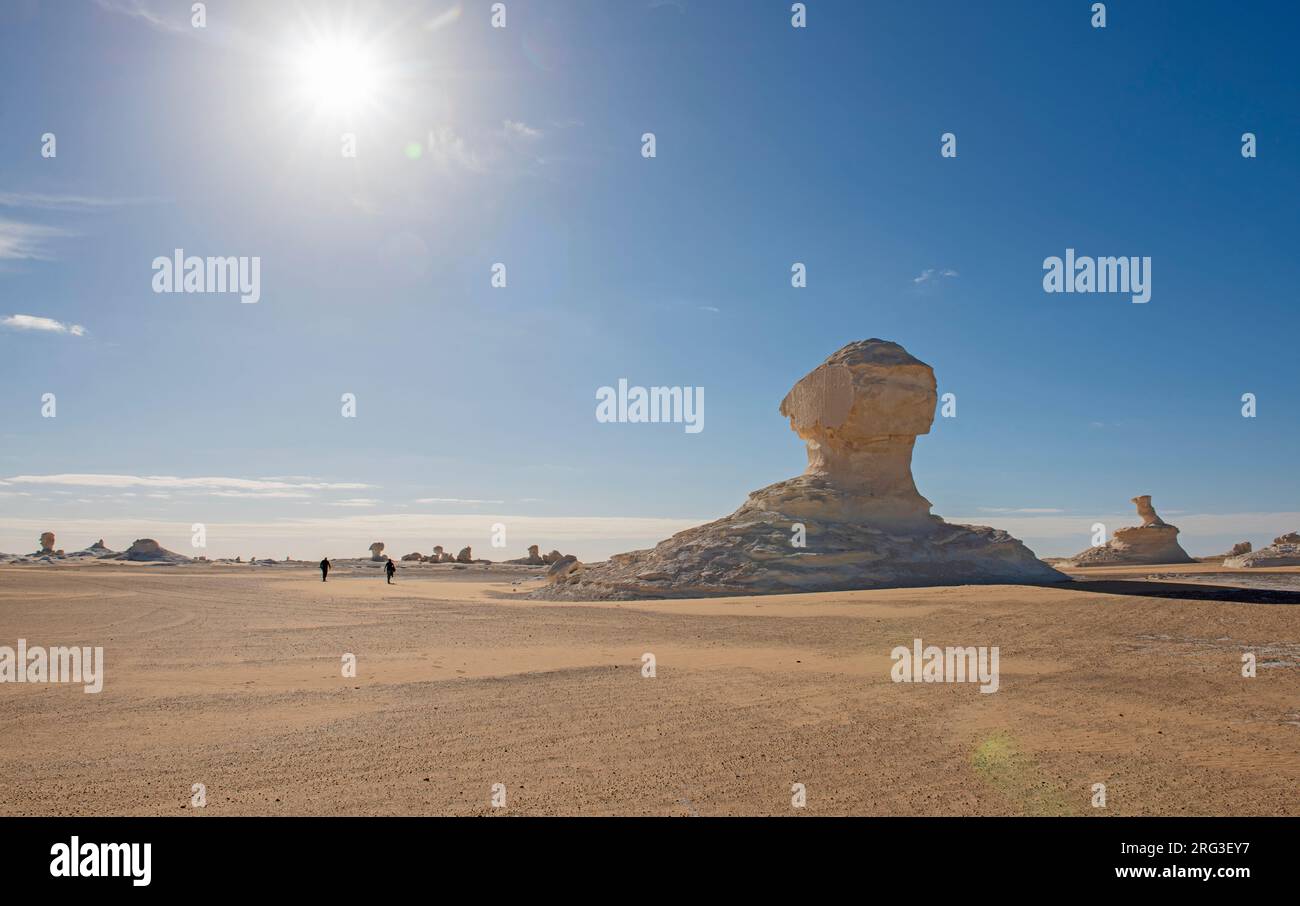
x=1284, y=551
x=853, y=520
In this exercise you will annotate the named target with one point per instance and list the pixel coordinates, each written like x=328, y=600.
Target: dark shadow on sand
x=1187, y=590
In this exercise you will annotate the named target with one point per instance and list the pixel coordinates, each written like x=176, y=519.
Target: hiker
x=324, y=568
x=391, y=569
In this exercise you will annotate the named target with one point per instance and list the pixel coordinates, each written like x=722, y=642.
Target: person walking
x=391, y=569
x=324, y=568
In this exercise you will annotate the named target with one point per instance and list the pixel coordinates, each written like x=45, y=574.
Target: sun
x=338, y=74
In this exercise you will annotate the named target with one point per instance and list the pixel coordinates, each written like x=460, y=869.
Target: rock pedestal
x=1153, y=542
x=852, y=520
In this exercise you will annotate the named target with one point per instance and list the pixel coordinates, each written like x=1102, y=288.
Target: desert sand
x=230, y=676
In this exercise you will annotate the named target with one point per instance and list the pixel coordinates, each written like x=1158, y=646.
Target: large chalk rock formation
x=377, y=553
x=1154, y=541
x=855, y=509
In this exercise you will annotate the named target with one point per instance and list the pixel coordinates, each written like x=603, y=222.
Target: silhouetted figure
x=324, y=568
x=391, y=569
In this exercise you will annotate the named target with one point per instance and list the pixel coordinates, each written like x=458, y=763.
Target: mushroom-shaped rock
x=853, y=519
x=47, y=543
x=1154, y=541
x=377, y=552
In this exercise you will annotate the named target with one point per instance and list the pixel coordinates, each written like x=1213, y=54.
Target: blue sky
x=476, y=405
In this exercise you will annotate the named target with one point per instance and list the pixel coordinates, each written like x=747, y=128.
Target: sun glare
x=338, y=74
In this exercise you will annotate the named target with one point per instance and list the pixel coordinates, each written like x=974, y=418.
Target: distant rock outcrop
x=465, y=556
x=147, y=550
x=377, y=552
x=562, y=568
x=533, y=559
x=414, y=557
x=1241, y=547
x=853, y=520
x=1154, y=541
x=552, y=557
x=1284, y=551
x=47, y=544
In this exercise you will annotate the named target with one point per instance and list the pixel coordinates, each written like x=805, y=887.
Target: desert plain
x=230, y=676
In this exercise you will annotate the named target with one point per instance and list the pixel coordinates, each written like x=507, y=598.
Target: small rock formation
x=377, y=552
x=465, y=556
x=1284, y=551
x=147, y=550
x=552, y=557
x=1241, y=547
x=1154, y=541
x=47, y=544
x=436, y=556
x=562, y=568
x=533, y=558
x=415, y=557
x=852, y=520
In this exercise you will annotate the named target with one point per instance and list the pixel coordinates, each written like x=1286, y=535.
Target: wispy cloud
x=931, y=274
x=521, y=130
x=1027, y=510
x=449, y=149
x=48, y=202
x=356, y=502
x=27, y=241
x=139, y=9
x=214, y=486
x=42, y=325
x=455, y=500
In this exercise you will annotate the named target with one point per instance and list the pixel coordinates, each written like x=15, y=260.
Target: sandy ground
x=230, y=677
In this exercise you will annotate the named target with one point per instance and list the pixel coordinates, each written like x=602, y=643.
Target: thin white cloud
x=69, y=202
x=447, y=148
x=138, y=9
x=521, y=130
x=455, y=500
x=1026, y=510
x=42, y=325
x=27, y=241
x=356, y=502
x=219, y=486
x=931, y=274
